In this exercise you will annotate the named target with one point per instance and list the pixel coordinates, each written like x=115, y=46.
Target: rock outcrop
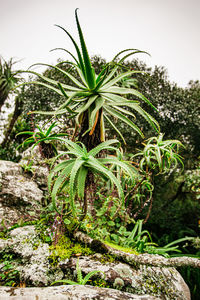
x=20, y=196
x=75, y=292
x=35, y=269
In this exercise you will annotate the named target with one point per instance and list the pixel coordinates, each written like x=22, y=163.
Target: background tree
x=178, y=107
x=14, y=116
x=8, y=79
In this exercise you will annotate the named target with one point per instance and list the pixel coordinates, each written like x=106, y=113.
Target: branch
x=141, y=259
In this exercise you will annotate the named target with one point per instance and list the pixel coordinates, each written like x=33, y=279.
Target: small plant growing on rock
x=80, y=279
x=28, y=168
x=9, y=276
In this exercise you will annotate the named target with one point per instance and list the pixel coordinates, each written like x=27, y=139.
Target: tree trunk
x=1, y=104
x=3, y=96
x=17, y=112
x=90, y=141
x=47, y=150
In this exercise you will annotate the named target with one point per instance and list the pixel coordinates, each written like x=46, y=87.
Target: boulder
x=69, y=292
x=32, y=154
x=20, y=196
x=157, y=281
x=35, y=270
x=34, y=267
x=39, y=165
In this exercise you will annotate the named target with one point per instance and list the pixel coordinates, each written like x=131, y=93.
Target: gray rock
x=72, y=292
x=34, y=268
x=32, y=154
x=9, y=168
x=20, y=197
x=40, y=169
x=161, y=282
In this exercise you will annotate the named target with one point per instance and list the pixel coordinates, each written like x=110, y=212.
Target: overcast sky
x=167, y=29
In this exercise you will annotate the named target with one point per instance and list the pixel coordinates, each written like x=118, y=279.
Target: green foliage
x=8, y=79
x=8, y=151
x=138, y=239
x=178, y=108
x=109, y=217
x=99, y=282
x=192, y=278
x=121, y=248
x=43, y=137
x=113, y=232
x=161, y=155
x=73, y=172
x=196, y=244
x=96, y=96
x=192, y=182
x=9, y=276
x=28, y=168
x=80, y=279
x=65, y=248
x=42, y=227
x=176, y=195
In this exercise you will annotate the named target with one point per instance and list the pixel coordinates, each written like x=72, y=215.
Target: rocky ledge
x=31, y=260
x=72, y=292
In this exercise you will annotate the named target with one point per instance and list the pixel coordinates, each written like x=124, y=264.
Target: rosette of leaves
x=73, y=173
x=160, y=155
x=43, y=138
x=95, y=98
x=141, y=241
x=8, y=80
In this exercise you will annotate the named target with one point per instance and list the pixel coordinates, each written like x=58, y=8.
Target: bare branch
x=141, y=259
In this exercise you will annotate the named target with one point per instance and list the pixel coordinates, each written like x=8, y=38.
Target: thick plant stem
x=141, y=259
x=90, y=140
x=88, y=196
x=16, y=114
x=85, y=206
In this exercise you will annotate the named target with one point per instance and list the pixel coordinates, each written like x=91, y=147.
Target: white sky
x=167, y=29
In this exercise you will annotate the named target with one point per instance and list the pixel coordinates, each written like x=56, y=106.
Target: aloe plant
x=171, y=247
x=160, y=154
x=74, y=172
x=8, y=79
x=43, y=138
x=138, y=239
x=96, y=98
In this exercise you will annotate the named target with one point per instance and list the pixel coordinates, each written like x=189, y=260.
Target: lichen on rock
x=35, y=268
